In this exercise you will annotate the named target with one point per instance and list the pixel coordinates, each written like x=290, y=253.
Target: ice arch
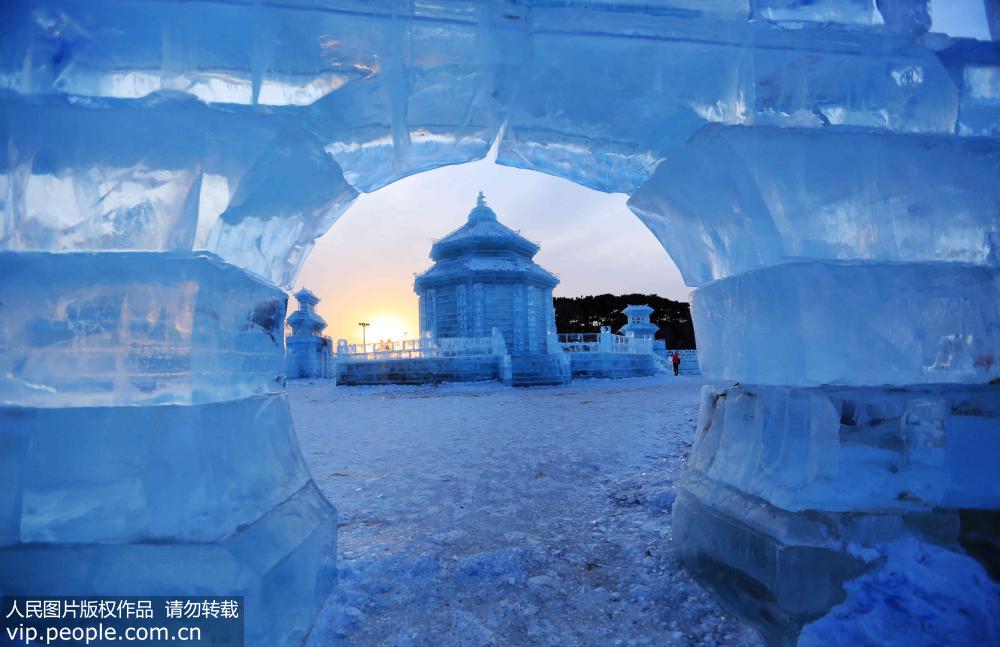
x=803, y=162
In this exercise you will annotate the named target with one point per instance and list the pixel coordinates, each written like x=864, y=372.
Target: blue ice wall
x=824, y=170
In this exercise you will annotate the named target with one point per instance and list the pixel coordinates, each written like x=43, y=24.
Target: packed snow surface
x=919, y=595
x=478, y=514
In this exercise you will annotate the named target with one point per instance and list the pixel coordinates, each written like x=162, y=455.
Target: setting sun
x=388, y=327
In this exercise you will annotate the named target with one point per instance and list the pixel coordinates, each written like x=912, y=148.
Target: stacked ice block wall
x=842, y=230
x=824, y=172
x=165, y=170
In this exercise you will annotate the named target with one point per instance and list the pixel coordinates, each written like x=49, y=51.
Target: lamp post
x=364, y=325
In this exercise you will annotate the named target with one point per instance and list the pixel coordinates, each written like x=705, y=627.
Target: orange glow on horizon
x=388, y=327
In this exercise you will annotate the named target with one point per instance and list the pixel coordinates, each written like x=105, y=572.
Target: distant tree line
x=588, y=314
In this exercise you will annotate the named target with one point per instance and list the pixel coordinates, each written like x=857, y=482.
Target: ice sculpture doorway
x=139, y=132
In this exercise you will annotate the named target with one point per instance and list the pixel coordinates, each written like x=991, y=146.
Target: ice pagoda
x=308, y=350
x=640, y=326
x=484, y=277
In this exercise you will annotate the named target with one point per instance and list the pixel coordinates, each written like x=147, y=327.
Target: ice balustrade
x=423, y=348
x=782, y=152
x=604, y=343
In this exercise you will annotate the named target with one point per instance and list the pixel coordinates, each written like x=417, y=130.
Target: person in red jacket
x=676, y=359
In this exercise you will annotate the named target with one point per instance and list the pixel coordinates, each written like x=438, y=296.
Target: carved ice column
x=146, y=446
x=849, y=283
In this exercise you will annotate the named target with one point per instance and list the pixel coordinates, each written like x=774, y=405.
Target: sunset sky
x=363, y=268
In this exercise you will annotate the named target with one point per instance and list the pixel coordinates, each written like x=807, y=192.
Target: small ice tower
x=639, y=325
x=308, y=351
x=484, y=277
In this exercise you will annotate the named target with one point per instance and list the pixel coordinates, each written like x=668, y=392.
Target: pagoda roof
x=487, y=267
x=637, y=311
x=484, y=249
x=306, y=322
x=482, y=233
x=306, y=296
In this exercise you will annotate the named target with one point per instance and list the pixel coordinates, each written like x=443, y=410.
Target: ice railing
x=604, y=342
x=423, y=348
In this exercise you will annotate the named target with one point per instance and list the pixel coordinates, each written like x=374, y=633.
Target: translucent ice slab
x=844, y=449
x=283, y=564
x=852, y=323
x=166, y=175
x=732, y=199
x=603, y=110
x=391, y=89
x=107, y=329
x=145, y=473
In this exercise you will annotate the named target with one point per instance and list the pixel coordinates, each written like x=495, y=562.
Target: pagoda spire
x=481, y=200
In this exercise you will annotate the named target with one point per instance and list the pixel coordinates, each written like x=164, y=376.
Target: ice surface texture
x=148, y=447
x=853, y=449
x=208, y=499
x=852, y=323
x=143, y=126
x=107, y=329
x=158, y=129
x=733, y=199
x=180, y=473
x=169, y=175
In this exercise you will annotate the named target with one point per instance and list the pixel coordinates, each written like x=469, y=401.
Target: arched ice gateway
x=825, y=174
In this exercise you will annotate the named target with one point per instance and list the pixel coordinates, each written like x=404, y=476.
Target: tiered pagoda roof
x=483, y=248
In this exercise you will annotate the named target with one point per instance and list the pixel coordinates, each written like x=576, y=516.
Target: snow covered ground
x=479, y=515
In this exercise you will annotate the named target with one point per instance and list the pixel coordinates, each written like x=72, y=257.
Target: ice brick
x=733, y=199
x=110, y=329
x=153, y=473
x=282, y=563
x=605, y=109
x=852, y=323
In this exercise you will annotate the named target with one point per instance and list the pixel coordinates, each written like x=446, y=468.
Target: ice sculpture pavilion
x=484, y=277
x=823, y=173
x=307, y=349
x=639, y=324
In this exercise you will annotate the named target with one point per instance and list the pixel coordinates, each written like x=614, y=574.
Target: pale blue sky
x=363, y=267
